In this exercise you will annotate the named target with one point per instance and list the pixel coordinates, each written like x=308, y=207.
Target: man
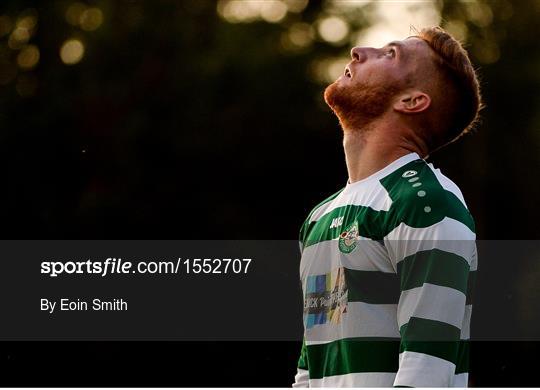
x=388, y=262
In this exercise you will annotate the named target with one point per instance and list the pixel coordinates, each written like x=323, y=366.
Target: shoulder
x=316, y=212
x=422, y=196
x=321, y=207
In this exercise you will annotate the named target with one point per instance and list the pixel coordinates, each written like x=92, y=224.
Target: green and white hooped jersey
x=387, y=269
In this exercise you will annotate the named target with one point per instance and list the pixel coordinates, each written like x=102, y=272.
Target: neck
x=372, y=148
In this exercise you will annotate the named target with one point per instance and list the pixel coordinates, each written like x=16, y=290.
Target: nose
x=359, y=53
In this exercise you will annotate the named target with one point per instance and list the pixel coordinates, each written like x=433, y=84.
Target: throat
x=368, y=152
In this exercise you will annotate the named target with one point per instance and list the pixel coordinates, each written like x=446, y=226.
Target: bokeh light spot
x=328, y=70
x=28, y=57
x=298, y=37
x=301, y=34
x=246, y=11
x=91, y=19
x=333, y=29
x=479, y=13
x=336, y=68
x=72, y=51
x=18, y=38
x=273, y=11
x=237, y=11
x=27, y=22
x=458, y=29
x=296, y=6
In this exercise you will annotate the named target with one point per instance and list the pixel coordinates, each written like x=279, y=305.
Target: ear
x=412, y=102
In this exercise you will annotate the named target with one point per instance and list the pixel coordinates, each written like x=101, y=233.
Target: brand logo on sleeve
x=336, y=222
x=410, y=173
x=348, y=239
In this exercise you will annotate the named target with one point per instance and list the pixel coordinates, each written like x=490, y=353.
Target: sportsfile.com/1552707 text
x=117, y=266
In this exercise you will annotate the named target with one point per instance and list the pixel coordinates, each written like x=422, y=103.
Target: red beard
x=356, y=105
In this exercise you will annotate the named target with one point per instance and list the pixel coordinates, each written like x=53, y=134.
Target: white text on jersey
x=336, y=222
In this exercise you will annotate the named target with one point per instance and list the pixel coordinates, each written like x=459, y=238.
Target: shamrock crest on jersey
x=348, y=239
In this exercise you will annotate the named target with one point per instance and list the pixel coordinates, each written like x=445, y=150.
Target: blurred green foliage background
x=120, y=118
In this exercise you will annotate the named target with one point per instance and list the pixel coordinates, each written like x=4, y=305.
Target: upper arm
x=433, y=264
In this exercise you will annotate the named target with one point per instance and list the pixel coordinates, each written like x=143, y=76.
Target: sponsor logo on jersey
x=336, y=222
x=348, y=239
x=325, y=299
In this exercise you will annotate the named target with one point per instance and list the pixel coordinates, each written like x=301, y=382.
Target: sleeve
x=301, y=378
x=433, y=265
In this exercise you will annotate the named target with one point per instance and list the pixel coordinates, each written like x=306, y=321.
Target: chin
x=331, y=94
x=337, y=96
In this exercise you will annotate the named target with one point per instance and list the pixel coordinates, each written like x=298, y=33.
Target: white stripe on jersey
x=361, y=320
x=432, y=302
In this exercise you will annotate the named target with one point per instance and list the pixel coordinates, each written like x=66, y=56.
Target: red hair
x=459, y=111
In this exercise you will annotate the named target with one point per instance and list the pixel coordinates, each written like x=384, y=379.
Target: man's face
x=373, y=79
